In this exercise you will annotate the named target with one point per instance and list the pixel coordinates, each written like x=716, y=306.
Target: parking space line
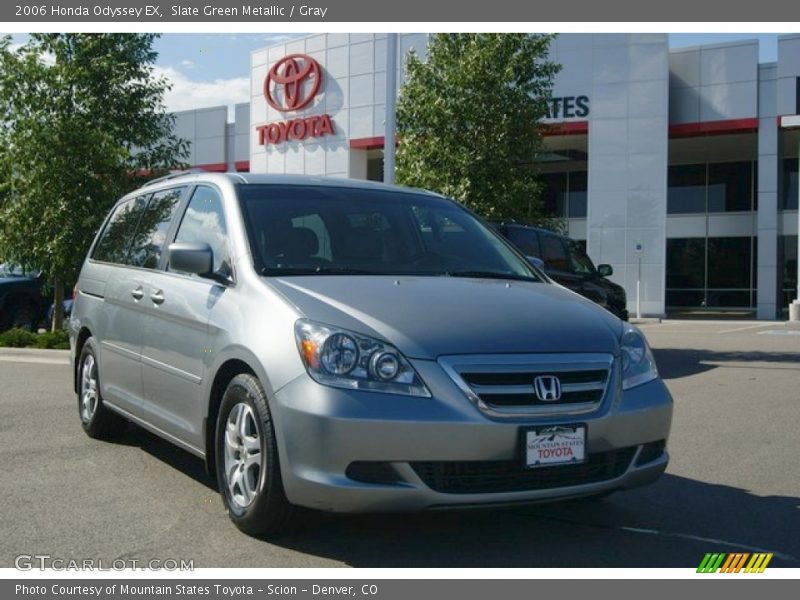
x=714, y=541
x=746, y=328
x=667, y=534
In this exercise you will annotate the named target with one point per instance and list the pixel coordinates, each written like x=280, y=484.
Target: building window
x=554, y=194
x=711, y=272
x=375, y=169
x=730, y=187
x=577, y=194
x=787, y=269
x=686, y=189
x=564, y=194
x=686, y=272
x=711, y=188
x=730, y=272
x=789, y=184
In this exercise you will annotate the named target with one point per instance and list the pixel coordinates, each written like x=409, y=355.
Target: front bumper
x=321, y=431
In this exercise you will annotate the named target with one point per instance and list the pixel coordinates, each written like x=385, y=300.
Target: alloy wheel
x=88, y=388
x=243, y=458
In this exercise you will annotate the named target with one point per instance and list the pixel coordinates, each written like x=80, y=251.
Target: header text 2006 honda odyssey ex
x=349, y=346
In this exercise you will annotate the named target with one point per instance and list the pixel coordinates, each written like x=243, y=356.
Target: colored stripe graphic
x=734, y=562
x=758, y=563
x=711, y=562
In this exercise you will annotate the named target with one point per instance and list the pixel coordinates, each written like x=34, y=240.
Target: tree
x=83, y=124
x=468, y=117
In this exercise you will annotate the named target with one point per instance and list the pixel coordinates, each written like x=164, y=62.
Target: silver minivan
x=355, y=347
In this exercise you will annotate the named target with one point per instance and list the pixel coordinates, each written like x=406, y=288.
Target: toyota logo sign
x=292, y=82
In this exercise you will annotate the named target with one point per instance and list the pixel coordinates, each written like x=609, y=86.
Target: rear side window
x=115, y=241
x=204, y=221
x=555, y=257
x=526, y=240
x=148, y=243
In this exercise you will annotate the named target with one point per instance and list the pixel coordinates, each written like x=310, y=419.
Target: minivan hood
x=427, y=317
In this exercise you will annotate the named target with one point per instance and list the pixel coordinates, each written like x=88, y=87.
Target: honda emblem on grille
x=548, y=388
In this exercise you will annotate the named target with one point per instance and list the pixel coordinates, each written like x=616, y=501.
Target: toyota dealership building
x=679, y=165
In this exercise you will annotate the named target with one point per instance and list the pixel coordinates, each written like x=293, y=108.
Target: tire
x=97, y=421
x=248, y=470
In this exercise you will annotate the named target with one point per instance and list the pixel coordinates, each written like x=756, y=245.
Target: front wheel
x=97, y=421
x=248, y=472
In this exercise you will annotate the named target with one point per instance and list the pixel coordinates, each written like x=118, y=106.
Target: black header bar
x=459, y=11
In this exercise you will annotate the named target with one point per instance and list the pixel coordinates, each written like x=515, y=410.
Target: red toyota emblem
x=299, y=77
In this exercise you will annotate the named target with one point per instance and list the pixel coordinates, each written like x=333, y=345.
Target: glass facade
x=787, y=269
x=564, y=194
x=711, y=188
x=716, y=272
x=576, y=204
x=788, y=181
x=686, y=189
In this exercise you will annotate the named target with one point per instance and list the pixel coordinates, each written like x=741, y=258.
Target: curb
x=34, y=356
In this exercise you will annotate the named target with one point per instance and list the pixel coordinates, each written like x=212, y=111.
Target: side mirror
x=605, y=270
x=196, y=258
x=536, y=262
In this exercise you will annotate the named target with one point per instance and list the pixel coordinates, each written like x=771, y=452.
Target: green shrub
x=17, y=338
x=56, y=340
x=22, y=338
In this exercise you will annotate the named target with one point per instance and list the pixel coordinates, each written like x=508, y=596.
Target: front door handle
x=137, y=293
x=157, y=297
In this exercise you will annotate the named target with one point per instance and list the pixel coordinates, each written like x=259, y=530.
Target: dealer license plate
x=555, y=445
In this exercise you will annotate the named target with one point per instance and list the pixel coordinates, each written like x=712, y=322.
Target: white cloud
x=187, y=94
x=15, y=46
x=187, y=64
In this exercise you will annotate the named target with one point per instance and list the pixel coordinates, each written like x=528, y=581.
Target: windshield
x=9, y=270
x=581, y=263
x=309, y=230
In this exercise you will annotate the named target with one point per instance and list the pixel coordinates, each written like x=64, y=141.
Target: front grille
x=479, y=477
x=503, y=385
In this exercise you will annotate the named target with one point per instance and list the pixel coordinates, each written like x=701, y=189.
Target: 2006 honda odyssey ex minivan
x=350, y=346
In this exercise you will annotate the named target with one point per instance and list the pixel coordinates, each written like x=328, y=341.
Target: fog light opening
x=650, y=452
x=373, y=472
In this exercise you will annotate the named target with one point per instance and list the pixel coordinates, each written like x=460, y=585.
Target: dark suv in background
x=566, y=262
x=20, y=298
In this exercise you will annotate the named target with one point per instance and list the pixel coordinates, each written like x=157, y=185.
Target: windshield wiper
x=319, y=270
x=489, y=275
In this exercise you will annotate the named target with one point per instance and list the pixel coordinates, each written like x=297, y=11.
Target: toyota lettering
x=292, y=84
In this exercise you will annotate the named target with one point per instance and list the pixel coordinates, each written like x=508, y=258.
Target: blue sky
x=212, y=69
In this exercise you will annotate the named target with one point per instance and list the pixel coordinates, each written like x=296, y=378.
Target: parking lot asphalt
x=733, y=483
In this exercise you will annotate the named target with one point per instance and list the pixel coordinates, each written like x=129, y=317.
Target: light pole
x=787, y=123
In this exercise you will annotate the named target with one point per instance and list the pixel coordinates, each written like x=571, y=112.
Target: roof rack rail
x=173, y=176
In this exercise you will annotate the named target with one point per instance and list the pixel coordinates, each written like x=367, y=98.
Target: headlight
x=638, y=364
x=346, y=359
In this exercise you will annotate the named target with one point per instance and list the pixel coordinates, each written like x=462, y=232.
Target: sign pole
x=639, y=291
x=390, y=135
x=639, y=248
